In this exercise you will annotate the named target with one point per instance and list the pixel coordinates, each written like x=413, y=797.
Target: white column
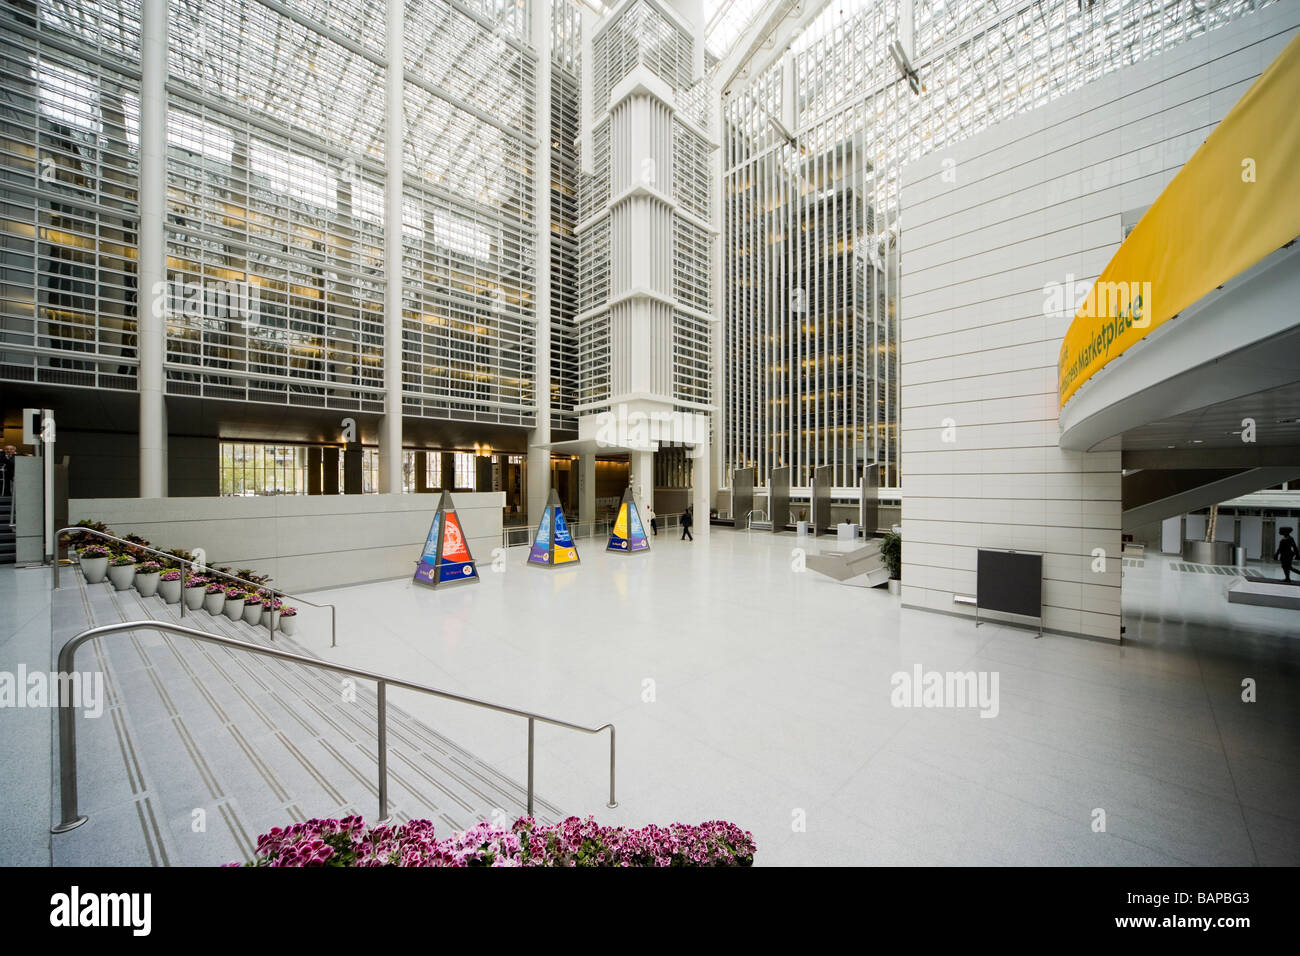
x=151, y=275
x=643, y=480
x=701, y=491
x=587, y=487
x=712, y=464
x=539, y=439
x=390, y=429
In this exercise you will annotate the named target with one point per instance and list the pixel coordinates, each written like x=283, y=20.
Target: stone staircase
x=865, y=562
x=200, y=747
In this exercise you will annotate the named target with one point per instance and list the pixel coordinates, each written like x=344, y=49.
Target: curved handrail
x=275, y=592
x=749, y=517
x=68, y=715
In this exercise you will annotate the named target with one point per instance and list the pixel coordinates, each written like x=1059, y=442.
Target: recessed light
x=1197, y=441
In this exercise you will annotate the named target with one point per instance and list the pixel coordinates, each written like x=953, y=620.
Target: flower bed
x=575, y=842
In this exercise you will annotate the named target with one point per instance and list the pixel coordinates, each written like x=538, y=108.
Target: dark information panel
x=1009, y=581
x=742, y=496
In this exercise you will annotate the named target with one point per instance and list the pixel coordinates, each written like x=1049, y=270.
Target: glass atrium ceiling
x=726, y=20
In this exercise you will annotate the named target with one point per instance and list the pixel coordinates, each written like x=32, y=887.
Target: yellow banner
x=1234, y=202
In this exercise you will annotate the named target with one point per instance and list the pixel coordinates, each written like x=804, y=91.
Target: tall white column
x=701, y=491
x=151, y=265
x=643, y=479
x=390, y=430
x=539, y=439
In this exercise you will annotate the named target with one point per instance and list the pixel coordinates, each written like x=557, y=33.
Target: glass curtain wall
x=812, y=229
x=275, y=173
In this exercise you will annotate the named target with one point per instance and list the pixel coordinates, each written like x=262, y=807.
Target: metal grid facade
x=69, y=117
x=566, y=59
x=811, y=230
x=659, y=241
x=275, y=171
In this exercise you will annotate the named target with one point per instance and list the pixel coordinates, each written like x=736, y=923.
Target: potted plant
x=234, y=603
x=80, y=539
x=146, y=578
x=288, y=619
x=271, y=613
x=891, y=550
x=136, y=552
x=94, y=562
x=169, y=585
x=121, y=571
x=214, y=598
x=252, y=608
x=196, y=589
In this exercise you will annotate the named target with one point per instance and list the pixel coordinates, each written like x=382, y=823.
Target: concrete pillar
x=701, y=492
x=152, y=262
x=643, y=479
x=539, y=439
x=448, y=482
x=587, y=487
x=390, y=427
x=483, y=473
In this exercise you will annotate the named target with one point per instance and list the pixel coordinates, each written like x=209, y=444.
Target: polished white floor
x=744, y=690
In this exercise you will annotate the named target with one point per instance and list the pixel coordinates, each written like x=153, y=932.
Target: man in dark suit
x=1286, y=552
x=7, y=471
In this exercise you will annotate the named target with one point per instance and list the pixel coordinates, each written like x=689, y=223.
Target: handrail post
x=70, y=818
x=530, y=767
x=612, y=802
x=334, y=633
x=382, y=690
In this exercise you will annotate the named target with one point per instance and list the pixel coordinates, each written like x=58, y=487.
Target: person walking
x=7, y=471
x=687, y=521
x=654, y=521
x=1286, y=552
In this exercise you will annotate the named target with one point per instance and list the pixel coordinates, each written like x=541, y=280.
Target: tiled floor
x=745, y=690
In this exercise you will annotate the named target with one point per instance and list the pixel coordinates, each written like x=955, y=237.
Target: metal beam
x=764, y=40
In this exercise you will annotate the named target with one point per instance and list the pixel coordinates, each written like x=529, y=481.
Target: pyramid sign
x=446, y=558
x=553, y=545
x=628, y=534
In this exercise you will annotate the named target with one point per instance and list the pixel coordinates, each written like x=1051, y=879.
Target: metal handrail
x=749, y=517
x=71, y=819
x=276, y=593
